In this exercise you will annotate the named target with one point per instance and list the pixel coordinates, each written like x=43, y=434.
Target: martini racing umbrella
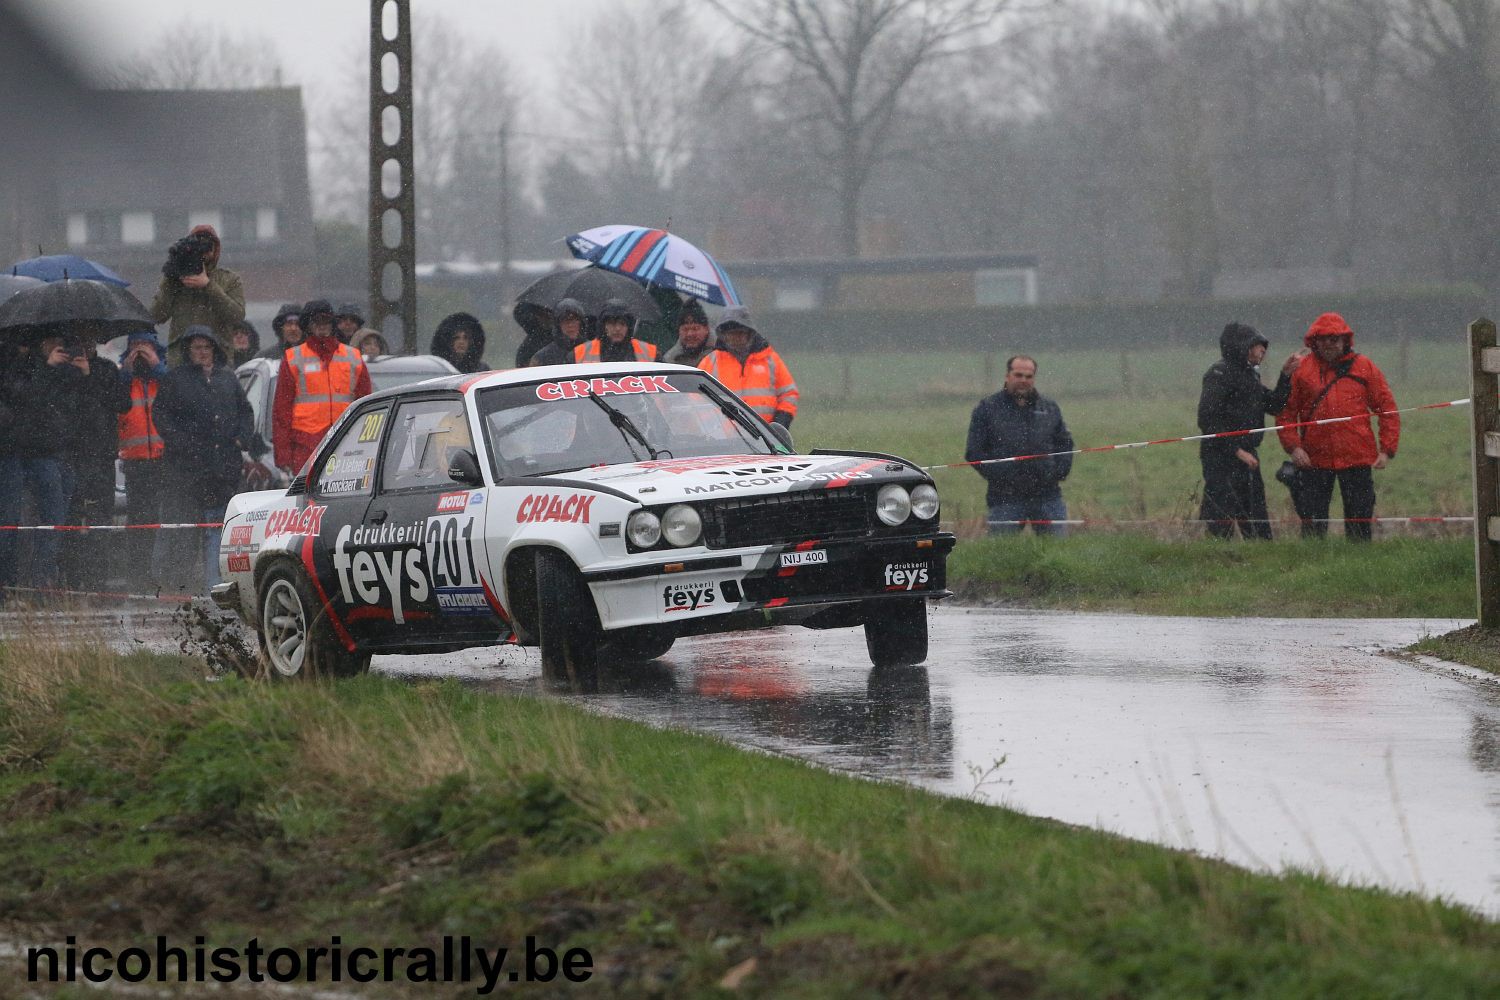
x=10, y=284
x=590, y=286
x=68, y=301
x=57, y=267
x=655, y=257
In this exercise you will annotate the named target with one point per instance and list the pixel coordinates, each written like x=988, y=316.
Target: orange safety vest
x=587, y=353
x=323, y=391
x=138, y=436
x=763, y=382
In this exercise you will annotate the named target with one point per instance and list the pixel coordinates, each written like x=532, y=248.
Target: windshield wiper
x=627, y=427
x=737, y=417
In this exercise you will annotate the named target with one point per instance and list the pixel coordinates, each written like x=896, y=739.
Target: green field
x=919, y=407
x=138, y=799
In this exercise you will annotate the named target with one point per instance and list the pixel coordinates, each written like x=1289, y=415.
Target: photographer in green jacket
x=196, y=291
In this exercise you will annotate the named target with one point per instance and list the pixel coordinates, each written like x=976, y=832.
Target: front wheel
x=896, y=632
x=567, y=624
x=296, y=637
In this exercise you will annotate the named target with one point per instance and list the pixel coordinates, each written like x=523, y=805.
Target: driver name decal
x=630, y=385
x=549, y=507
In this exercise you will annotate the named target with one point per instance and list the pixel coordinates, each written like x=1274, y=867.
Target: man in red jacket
x=1334, y=381
x=319, y=379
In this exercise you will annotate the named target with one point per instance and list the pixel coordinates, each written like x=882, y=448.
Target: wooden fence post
x=1484, y=420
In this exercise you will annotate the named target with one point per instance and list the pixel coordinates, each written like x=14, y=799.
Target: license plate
x=816, y=557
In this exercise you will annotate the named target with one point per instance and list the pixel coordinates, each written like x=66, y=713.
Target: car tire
x=297, y=639
x=639, y=647
x=567, y=624
x=896, y=632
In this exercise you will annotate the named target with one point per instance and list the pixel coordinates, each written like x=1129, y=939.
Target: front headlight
x=643, y=529
x=924, y=502
x=893, y=504
x=680, y=525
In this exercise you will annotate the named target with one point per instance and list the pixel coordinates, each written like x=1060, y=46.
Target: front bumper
x=687, y=594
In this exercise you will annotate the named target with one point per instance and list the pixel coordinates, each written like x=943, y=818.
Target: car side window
x=423, y=438
x=349, y=469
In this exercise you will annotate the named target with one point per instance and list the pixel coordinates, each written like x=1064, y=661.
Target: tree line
x=1141, y=148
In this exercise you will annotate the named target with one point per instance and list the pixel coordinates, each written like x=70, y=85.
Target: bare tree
x=196, y=55
x=854, y=60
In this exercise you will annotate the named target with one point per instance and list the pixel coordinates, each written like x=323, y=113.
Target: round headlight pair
x=679, y=524
x=893, y=504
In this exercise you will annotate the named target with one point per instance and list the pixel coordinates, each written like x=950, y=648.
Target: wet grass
x=138, y=799
x=1472, y=646
x=1395, y=578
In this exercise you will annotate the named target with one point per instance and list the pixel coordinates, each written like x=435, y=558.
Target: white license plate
x=816, y=557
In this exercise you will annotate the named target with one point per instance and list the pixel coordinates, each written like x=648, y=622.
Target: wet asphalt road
x=1273, y=743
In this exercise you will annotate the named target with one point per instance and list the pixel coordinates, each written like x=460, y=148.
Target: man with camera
x=195, y=290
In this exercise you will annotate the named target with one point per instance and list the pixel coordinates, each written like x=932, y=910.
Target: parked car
x=630, y=507
x=258, y=379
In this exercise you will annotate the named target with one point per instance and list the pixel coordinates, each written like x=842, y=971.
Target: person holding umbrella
x=99, y=399
x=38, y=397
x=694, y=338
x=567, y=334
x=614, y=343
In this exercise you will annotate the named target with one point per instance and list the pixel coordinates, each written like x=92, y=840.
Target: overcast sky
x=309, y=32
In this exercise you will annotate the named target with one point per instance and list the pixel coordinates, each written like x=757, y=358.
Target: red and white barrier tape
x=105, y=527
x=1200, y=437
x=1110, y=522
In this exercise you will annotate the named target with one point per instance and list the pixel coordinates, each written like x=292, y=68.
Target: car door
x=339, y=488
x=435, y=526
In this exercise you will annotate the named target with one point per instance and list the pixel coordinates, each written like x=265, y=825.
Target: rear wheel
x=567, y=624
x=896, y=632
x=296, y=637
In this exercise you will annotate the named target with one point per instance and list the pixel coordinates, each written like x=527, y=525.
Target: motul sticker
x=450, y=503
x=687, y=596
x=307, y=521
x=630, y=385
x=905, y=576
x=573, y=509
x=814, y=557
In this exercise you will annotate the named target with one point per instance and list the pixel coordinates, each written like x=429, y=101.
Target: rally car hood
x=671, y=480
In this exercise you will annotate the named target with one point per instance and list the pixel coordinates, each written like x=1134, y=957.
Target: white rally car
x=579, y=509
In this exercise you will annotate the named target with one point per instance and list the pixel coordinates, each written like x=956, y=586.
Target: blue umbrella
x=66, y=265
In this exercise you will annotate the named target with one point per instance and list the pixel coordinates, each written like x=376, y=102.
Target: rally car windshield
x=543, y=428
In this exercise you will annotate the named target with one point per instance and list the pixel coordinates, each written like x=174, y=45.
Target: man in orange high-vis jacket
x=746, y=363
x=319, y=379
x=141, y=449
x=614, y=343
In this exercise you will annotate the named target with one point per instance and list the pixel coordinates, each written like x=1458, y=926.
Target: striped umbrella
x=656, y=257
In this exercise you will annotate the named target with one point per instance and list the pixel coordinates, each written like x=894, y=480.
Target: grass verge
x=1472, y=646
x=137, y=799
x=1393, y=578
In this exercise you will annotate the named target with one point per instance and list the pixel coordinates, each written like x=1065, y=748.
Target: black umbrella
x=61, y=303
x=10, y=284
x=591, y=286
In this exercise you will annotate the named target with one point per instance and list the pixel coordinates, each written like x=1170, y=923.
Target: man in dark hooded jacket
x=205, y=422
x=459, y=340
x=244, y=343
x=567, y=333
x=1234, y=399
x=694, y=338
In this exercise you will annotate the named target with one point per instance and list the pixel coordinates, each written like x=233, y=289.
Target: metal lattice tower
x=392, y=216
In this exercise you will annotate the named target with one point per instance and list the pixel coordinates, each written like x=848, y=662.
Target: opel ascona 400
x=597, y=512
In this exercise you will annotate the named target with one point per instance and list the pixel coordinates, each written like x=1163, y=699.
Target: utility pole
x=505, y=245
x=392, y=221
x=1484, y=422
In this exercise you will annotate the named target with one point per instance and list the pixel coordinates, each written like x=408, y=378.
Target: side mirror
x=463, y=468
x=783, y=435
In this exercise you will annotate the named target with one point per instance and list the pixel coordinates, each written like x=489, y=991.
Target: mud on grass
x=1472, y=646
x=139, y=798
